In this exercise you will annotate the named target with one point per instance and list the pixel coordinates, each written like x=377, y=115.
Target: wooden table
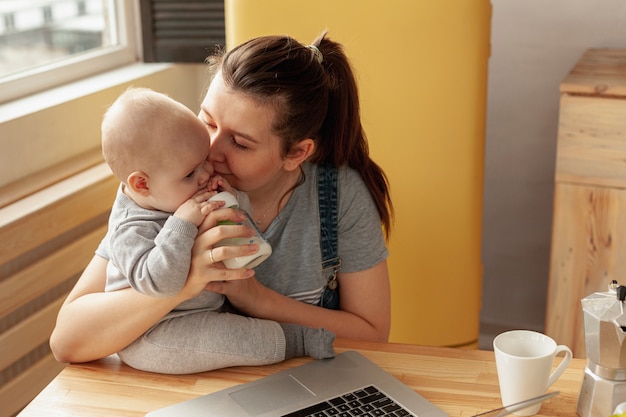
x=461, y=382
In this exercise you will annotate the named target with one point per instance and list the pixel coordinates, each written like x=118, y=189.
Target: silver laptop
x=327, y=387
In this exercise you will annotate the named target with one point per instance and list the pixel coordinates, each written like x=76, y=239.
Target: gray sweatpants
x=206, y=340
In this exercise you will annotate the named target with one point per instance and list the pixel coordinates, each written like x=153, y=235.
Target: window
x=45, y=43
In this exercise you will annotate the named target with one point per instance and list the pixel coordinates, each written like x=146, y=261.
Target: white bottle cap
x=227, y=198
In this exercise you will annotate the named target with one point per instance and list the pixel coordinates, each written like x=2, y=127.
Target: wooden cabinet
x=589, y=223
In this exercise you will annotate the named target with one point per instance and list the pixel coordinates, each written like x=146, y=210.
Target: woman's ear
x=138, y=182
x=299, y=154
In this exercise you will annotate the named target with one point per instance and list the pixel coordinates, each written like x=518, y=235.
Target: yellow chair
x=422, y=73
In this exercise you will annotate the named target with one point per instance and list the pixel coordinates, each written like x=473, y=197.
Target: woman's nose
x=216, y=148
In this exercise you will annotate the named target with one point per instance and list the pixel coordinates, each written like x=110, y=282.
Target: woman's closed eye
x=238, y=145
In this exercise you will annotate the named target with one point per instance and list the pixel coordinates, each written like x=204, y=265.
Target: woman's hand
x=206, y=259
x=356, y=319
x=245, y=294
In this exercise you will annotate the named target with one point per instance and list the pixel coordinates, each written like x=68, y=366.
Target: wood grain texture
x=588, y=249
x=461, y=382
x=599, y=72
x=589, y=222
x=591, y=147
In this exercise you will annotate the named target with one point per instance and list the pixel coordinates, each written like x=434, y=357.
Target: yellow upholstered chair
x=422, y=72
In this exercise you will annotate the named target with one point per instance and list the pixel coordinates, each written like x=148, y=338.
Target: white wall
x=534, y=45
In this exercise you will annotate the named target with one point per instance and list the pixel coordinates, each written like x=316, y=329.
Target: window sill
x=49, y=136
x=90, y=85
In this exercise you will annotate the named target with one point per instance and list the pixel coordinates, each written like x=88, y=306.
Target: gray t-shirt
x=295, y=266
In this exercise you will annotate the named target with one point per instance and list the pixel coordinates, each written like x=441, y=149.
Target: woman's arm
x=364, y=296
x=93, y=324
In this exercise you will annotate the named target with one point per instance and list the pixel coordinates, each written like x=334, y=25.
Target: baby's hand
x=218, y=183
x=197, y=207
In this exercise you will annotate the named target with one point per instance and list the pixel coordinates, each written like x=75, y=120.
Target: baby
x=159, y=150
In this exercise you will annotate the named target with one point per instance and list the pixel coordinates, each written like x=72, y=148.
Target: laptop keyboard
x=364, y=402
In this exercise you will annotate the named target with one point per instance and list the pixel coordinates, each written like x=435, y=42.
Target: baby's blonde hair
x=137, y=128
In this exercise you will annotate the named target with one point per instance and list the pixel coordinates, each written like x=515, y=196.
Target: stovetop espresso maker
x=604, y=383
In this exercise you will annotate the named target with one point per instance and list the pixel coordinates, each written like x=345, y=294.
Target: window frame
x=73, y=68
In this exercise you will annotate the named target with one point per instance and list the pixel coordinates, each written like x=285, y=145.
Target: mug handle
x=567, y=358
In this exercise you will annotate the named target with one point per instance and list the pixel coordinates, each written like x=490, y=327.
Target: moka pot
x=604, y=383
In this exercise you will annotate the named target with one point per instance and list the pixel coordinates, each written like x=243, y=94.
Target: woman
x=276, y=112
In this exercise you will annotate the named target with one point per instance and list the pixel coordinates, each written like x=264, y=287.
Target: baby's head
x=157, y=147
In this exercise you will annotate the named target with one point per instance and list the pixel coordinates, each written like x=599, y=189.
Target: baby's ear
x=138, y=182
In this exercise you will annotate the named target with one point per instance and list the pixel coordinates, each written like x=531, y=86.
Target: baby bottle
x=248, y=261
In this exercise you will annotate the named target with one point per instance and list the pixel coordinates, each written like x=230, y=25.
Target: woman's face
x=243, y=148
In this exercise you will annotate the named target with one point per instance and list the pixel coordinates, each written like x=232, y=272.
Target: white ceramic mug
x=524, y=360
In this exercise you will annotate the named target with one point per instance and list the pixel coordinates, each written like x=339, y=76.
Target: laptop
x=327, y=387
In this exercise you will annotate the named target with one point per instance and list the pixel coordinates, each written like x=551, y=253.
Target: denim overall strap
x=331, y=263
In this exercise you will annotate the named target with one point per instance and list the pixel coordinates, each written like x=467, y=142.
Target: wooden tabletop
x=461, y=382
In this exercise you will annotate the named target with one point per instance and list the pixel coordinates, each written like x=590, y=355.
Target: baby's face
x=185, y=169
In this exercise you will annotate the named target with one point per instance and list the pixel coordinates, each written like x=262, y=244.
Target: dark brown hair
x=315, y=96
